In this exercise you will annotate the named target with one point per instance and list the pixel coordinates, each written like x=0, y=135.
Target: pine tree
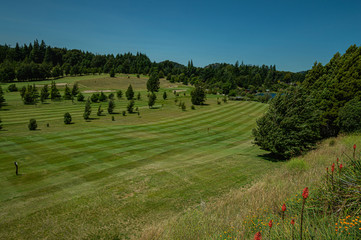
x=119, y=94
x=139, y=97
x=54, y=92
x=130, y=106
x=165, y=96
x=67, y=118
x=129, y=93
x=2, y=99
x=80, y=97
x=75, y=91
x=198, y=96
x=153, y=82
x=151, y=100
x=111, y=106
x=67, y=93
x=102, y=97
x=87, y=110
x=32, y=124
x=100, y=110
x=44, y=94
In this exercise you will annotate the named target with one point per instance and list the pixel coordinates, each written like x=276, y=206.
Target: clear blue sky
x=291, y=34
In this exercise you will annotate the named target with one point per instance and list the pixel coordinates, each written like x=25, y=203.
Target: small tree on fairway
x=198, y=96
x=67, y=118
x=2, y=99
x=111, y=96
x=54, y=92
x=151, y=100
x=100, y=110
x=111, y=106
x=153, y=82
x=102, y=97
x=75, y=90
x=44, y=94
x=32, y=124
x=87, y=110
x=22, y=91
x=165, y=96
x=80, y=97
x=129, y=93
x=139, y=96
x=95, y=97
x=124, y=113
x=119, y=94
x=67, y=93
x=130, y=106
x=12, y=88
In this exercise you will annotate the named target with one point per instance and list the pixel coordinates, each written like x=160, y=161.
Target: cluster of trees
x=38, y=61
x=327, y=102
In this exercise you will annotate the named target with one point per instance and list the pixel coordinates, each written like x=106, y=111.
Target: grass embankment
x=241, y=213
x=111, y=179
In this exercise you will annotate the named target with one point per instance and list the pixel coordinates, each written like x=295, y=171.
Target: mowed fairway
x=110, y=179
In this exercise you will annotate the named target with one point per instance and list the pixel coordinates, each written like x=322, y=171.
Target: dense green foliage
x=333, y=85
x=151, y=99
x=129, y=93
x=32, y=124
x=153, y=82
x=198, y=96
x=37, y=61
x=350, y=116
x=87, y=110
x=290, y=126
x=111, y=106
x=67, y=118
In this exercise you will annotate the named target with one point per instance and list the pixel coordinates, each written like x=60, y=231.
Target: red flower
x=258, y=236
x=341, y=167
x=354, y=147
x=270, y=224
x=284, y=207
x=293, y=222
x=305, y=193
x=333, y=167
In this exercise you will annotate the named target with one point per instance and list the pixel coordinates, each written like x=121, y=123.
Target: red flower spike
x=258, y=236
x=305, y=193
x=340, y=166
x=284, y=207
x=354, y=147
x=270, y=224
x=333, y=167
x=293, y=222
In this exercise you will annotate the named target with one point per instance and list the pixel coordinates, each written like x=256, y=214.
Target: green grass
x=106, y=179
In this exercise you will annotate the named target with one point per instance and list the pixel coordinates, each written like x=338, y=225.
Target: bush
x=198, y=96
x=32, y=124
x=12, y=88
x=290, y=126
x=95, y=97
x=67, y=118
x=80, y=97
x=350, y=116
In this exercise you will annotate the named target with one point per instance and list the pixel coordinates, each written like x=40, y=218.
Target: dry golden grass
x=207, y=220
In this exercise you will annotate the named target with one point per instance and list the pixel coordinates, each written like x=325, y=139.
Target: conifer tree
x=129, y=93
x=151, y=100
x=87, y=110
x=153, y=82
x=44, y=94
x=165, y=96
x=111, y=106
x=67, y=93
x=119, y=94
x=130, y=106
x=2, y=99
x=100, y=110
x=75, y=90
x=54, y=92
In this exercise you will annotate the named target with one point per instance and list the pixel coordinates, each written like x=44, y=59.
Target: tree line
x=37, y=61
x=327, y=102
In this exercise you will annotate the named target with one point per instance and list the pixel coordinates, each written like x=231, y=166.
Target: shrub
x=67, y=118
x=80, y=97
x=32, y=124
x=12, y=88
x=95, y=97
x=198, y=96
x=119, y=94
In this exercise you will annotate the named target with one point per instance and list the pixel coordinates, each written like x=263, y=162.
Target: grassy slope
x=242, y=212
x=105, y=179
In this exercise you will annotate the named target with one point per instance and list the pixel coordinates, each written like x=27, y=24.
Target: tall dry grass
x=230, y=212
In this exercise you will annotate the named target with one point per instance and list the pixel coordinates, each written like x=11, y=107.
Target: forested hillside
x=37, y=61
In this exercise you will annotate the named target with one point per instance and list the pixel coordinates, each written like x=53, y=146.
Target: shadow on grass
x=272, y=157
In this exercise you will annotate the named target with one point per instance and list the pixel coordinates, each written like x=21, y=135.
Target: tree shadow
x=272, y=157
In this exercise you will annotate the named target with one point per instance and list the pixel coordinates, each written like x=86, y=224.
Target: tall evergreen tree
x=67, y=93
x=129, y=93
x=111, y=106
x=44, y=94
x=54, y=92
x=75, y=90
x=153, y=82
x=151, y=99
x=87, y=110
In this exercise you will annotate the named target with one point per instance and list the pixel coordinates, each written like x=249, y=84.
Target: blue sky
x=291, y=34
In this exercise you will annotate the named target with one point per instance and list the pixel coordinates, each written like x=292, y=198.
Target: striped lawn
x=102, y=179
